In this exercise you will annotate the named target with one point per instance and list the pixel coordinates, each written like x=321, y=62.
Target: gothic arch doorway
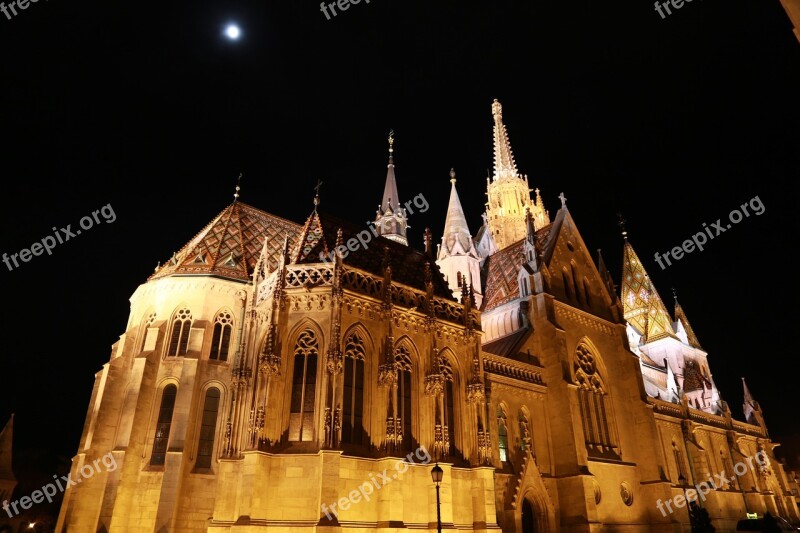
x=528, y=517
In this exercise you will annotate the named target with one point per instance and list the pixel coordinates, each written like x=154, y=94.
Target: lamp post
x=437, y=474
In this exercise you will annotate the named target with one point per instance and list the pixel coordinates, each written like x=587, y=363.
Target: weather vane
x=238, y=187
x=621, y=224
x=316, y=194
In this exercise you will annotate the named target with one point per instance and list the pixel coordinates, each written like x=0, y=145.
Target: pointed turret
x=509, y=196
x=391, y=220
x=642, y=305
x=608, y=280
x=311, y=246
x=530, y=227
x=752, y=410
x=458, y=259
x=529, y=247
x=750, y=406
x=680, y=316
x=7, y=479
x=457, y=239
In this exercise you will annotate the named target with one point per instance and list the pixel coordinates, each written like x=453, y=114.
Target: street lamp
x=437, y=474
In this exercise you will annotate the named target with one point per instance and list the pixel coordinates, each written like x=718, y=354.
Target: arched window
x=599, y=433
x=221, y=339
x=163, y=425
x=181, y=326
x=208, y=427
x=146, y=324
x=304, y=387
x=403, y=400
x=353, y=397
x=449, y=422
x=502, y=433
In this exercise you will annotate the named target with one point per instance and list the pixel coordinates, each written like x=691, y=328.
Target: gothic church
x=256, y=386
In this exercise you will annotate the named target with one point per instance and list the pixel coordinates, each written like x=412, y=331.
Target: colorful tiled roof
x=502, y=268
x=230, y=245
x=642, y=305
x=693, y=379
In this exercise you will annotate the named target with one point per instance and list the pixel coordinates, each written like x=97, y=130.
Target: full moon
x=232, y=32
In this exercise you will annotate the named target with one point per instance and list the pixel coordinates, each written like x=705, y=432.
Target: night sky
x=149, y=108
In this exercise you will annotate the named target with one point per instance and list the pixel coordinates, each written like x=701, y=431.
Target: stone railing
x=677, y=410
x=512, y=369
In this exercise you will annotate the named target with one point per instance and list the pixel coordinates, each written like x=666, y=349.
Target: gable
x=574, y=278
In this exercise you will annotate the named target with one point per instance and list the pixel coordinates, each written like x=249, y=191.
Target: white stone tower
x=458, y=259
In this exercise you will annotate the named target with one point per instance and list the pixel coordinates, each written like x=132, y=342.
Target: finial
x=452, y=175
x=563, y=199
x=316, y=194
x=497, y=109
x=391, y=144
x=675, y=295
x=428, y=236
x=621, y=224
x=238, y=187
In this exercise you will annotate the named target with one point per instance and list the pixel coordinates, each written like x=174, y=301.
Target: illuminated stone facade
x=257, y=388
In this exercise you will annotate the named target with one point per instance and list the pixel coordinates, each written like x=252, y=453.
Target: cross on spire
x=316, y=193
x=621, y=224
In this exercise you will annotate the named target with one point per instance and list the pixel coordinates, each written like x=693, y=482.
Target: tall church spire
x=504, y=166
x=458, y=259
x=391, y=220
x=509, y=195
